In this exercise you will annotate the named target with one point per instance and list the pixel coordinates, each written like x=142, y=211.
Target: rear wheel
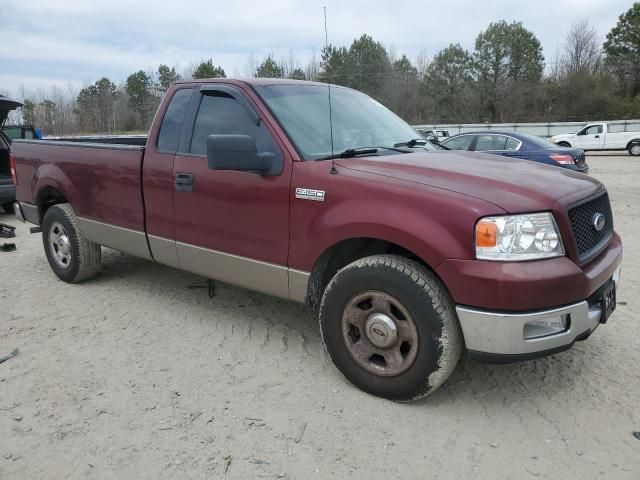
x=71, y=257
x=390, y=327
x=634, y=149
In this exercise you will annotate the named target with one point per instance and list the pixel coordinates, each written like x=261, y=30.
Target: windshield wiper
x=351, y=152
x=412, y=143
x=354, y=152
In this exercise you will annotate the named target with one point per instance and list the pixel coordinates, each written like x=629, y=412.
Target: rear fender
x=51, y=176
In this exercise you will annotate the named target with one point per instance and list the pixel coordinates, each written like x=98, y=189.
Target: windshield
x=358, y=120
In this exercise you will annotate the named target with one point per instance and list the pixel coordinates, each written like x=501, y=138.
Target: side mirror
x=237, y=152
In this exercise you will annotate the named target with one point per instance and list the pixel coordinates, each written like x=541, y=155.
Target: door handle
x=597, y=136
x=184, y=182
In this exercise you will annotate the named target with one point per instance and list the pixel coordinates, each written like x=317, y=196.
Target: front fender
x=433, y=225
x=570, y=139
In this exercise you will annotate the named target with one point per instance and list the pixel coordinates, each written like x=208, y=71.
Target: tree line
x=505, y=78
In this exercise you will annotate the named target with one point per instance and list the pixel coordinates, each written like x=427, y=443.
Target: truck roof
x=256, y=81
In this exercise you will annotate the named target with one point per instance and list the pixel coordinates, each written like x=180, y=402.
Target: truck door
x=157, y=176
x=231, y=225
x=590, y=137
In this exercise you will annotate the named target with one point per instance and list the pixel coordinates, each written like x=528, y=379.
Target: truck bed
x=139, y=140
x=108, y=174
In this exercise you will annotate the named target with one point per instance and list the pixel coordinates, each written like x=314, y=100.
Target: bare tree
x=581, y=53
x=251, y=67
x=312, y=69
x=422, y=63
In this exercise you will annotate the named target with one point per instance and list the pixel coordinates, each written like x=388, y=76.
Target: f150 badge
x=310, y=194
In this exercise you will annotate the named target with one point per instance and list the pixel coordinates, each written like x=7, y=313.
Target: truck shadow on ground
x=546, y=377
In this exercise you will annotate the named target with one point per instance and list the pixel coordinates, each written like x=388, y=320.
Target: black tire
x=420, y=293
x=563, y=144
x=83, y=258
x=8, y=207
x=634, y=149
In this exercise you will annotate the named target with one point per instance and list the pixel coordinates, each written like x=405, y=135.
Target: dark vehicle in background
x=22, y=132
x=7, y=187
x=519, y=145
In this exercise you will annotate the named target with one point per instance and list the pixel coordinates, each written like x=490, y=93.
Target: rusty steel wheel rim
x=379, y=333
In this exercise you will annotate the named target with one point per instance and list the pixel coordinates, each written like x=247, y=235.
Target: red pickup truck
x=321, y=195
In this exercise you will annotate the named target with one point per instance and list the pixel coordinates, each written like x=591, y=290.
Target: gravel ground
x=134, y=375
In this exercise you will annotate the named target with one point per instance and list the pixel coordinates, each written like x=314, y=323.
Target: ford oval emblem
x=598, y=221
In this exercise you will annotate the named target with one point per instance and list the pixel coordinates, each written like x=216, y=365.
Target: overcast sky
x=45, y=42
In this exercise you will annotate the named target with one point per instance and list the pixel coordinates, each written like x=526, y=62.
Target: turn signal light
x=12, y=168
x=562, y=159
x=486, y=234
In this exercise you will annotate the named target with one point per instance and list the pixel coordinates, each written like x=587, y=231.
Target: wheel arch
x=346, y=251
x=47, y=197
x=633, y=141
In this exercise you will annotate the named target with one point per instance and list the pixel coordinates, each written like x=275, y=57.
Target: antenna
x=326, y=46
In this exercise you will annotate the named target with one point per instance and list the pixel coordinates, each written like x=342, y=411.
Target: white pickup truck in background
x=598, y=136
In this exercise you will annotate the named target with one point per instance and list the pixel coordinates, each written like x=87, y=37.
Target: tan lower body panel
x=298, y=284
x=118, y=238
x=265, y=277
x=164, y=251
x=244, y=272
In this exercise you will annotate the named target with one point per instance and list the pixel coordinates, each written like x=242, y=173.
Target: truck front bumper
x=506, y=337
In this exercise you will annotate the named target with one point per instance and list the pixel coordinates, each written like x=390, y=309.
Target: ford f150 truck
x=410, y=256
x=600, y=136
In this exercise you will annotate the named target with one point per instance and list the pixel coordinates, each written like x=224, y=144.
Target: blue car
x=519, y=145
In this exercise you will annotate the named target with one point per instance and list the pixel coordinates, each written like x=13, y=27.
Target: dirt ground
x=134, y=375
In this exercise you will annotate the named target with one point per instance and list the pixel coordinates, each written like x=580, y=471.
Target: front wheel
x=71, y=257
x=390, y=327
x=563, y=144
x=634, y=149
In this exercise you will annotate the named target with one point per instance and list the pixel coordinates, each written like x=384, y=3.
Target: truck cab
x=591, y=137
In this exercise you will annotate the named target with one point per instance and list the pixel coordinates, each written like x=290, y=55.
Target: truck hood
x=512, y=184
x=6, y=105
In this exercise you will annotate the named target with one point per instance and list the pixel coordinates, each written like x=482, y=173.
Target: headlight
x=531, y=236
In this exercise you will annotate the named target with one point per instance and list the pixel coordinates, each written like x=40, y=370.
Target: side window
x=593, y=130
x=169, y=136
x=220, y=114
x=512, y=144
x=462, y=142
x=490, y=142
